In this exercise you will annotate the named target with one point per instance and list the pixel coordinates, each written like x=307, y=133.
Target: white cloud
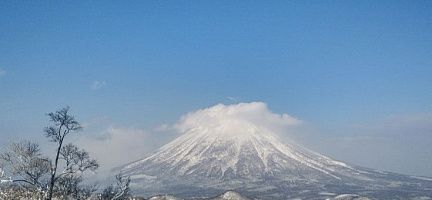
x=96, y=85
x=2, y=72
x=116, y=146
x=236, y=119
x=163, y=128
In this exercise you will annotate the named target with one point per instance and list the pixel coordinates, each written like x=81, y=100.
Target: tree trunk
x=54, y=170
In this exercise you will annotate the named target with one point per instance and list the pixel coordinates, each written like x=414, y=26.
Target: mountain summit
x=235, y=147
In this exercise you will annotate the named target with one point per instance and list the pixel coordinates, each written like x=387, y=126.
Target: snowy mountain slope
x=349, y=197
x=230, y=195
x=254, y=155
x=229, y=147
x=164, y=197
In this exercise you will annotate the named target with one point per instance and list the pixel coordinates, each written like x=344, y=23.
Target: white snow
x=349, y=197
x=142, y=176
x=164, y=197
x=327, y=194
x=422, y=178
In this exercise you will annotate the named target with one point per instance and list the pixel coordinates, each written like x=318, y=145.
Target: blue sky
x=344, y=67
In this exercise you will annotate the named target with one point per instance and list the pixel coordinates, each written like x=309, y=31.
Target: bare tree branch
x=26, y=164
x=119, y=191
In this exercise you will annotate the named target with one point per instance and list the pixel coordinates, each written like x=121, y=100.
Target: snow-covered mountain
x=250, y=155
x=228, y=195
x=229, y=147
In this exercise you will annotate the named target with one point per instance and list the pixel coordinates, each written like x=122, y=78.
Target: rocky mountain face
x=241, y=155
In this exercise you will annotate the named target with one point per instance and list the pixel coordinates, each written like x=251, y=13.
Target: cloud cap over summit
x=234, y=118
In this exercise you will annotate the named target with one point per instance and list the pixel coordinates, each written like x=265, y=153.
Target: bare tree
x=76, y=163
x=62, y=124
x=123, y=191
x=62, y=176
x=119, y=191
x=70, y=186
x=26, y=166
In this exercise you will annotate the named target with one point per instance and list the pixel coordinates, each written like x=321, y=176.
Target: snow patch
x=422, y=178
